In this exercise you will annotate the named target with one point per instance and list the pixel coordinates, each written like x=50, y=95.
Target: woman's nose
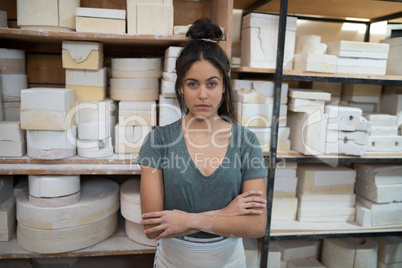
x=202, y=94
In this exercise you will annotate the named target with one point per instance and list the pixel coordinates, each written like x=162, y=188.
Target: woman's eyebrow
x=213, y=77
x=191, y=79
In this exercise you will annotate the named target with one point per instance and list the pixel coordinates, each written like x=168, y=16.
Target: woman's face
x=202, y=89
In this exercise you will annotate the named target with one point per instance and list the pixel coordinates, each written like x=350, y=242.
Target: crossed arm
x=245, y=216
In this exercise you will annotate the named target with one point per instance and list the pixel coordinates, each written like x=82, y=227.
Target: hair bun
x=205, y=29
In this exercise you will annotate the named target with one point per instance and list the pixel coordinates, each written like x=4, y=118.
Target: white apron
x=219, y=252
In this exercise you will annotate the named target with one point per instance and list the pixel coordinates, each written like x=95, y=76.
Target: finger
x=155, y=214
x=255, y=199
x=251, y=192
x=255, y=205
x=253, y=212
x=161, y=235
x=151, y=221
x=153, y=229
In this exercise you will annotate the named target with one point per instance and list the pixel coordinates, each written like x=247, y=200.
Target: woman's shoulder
x=242, y=132
x=167, y=131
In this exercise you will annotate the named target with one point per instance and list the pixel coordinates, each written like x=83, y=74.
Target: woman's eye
x=192, y=84
x=212, y=84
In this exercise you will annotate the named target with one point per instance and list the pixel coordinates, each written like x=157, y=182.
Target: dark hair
x=204, y=45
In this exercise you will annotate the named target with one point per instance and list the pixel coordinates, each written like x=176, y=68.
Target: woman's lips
x=202, y=106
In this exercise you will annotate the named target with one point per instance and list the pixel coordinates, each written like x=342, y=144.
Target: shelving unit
x=44, y=68
x=373, y=11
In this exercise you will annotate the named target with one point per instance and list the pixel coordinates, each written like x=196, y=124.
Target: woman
x=202, y=177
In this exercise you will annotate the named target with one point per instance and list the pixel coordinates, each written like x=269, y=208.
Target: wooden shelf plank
x=117, y=244
x=370, y=157
x=118, y=164
x=282, y=228
x=107, y=38
x=293, y=75
x=333, y=9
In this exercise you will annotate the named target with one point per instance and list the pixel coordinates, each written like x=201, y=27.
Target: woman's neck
x=202, y=123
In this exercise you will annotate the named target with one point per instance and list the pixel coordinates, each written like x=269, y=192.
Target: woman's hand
x=246, y=203
x=169, y=222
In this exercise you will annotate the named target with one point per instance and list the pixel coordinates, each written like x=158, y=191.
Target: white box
x=11, y=111
x=47, y=108
x=308, y=132
x=172, y=77
x=259, y=41
x=391, y=102
x=358, y=137
x=169, y=111
x=319, y=179
x=169, y=65
x=284, y=209
x=346, y=147
x=305, y=105
x=168, y=89
x=11, y=131
x=285, y=187
x=305, y=263
x=326, y=200
x=298, y=249
x=394, y=66
x=346, y=118
x=51, y=14
x=95, y=111
x=11, y=85
x=379, y=193
x=89, y=85
x=173, y=52
x=354, y=49
x=96, y=119
x=96, y=131
x=101, y=13
x=311, y=62
x=136, y=67
x=155, y=19
x=369, y=213
x=384, y=131
x=307, y=43
x=95, y=149
x=326, y=214
x=51, y=144
x=379, y=174
x=12, y=148
x=129, y=139
x=308, y=94
x=82, y=55
x=258, y=115
x=134, y=89
x=100, y=20
x=137, y=113
x=389, y=249
x=384, y=144
x=248, y=91
x=7, y=219
x=382, y=119
x=53, y=185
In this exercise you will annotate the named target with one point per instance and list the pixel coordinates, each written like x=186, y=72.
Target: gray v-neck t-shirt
x=185, y=187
